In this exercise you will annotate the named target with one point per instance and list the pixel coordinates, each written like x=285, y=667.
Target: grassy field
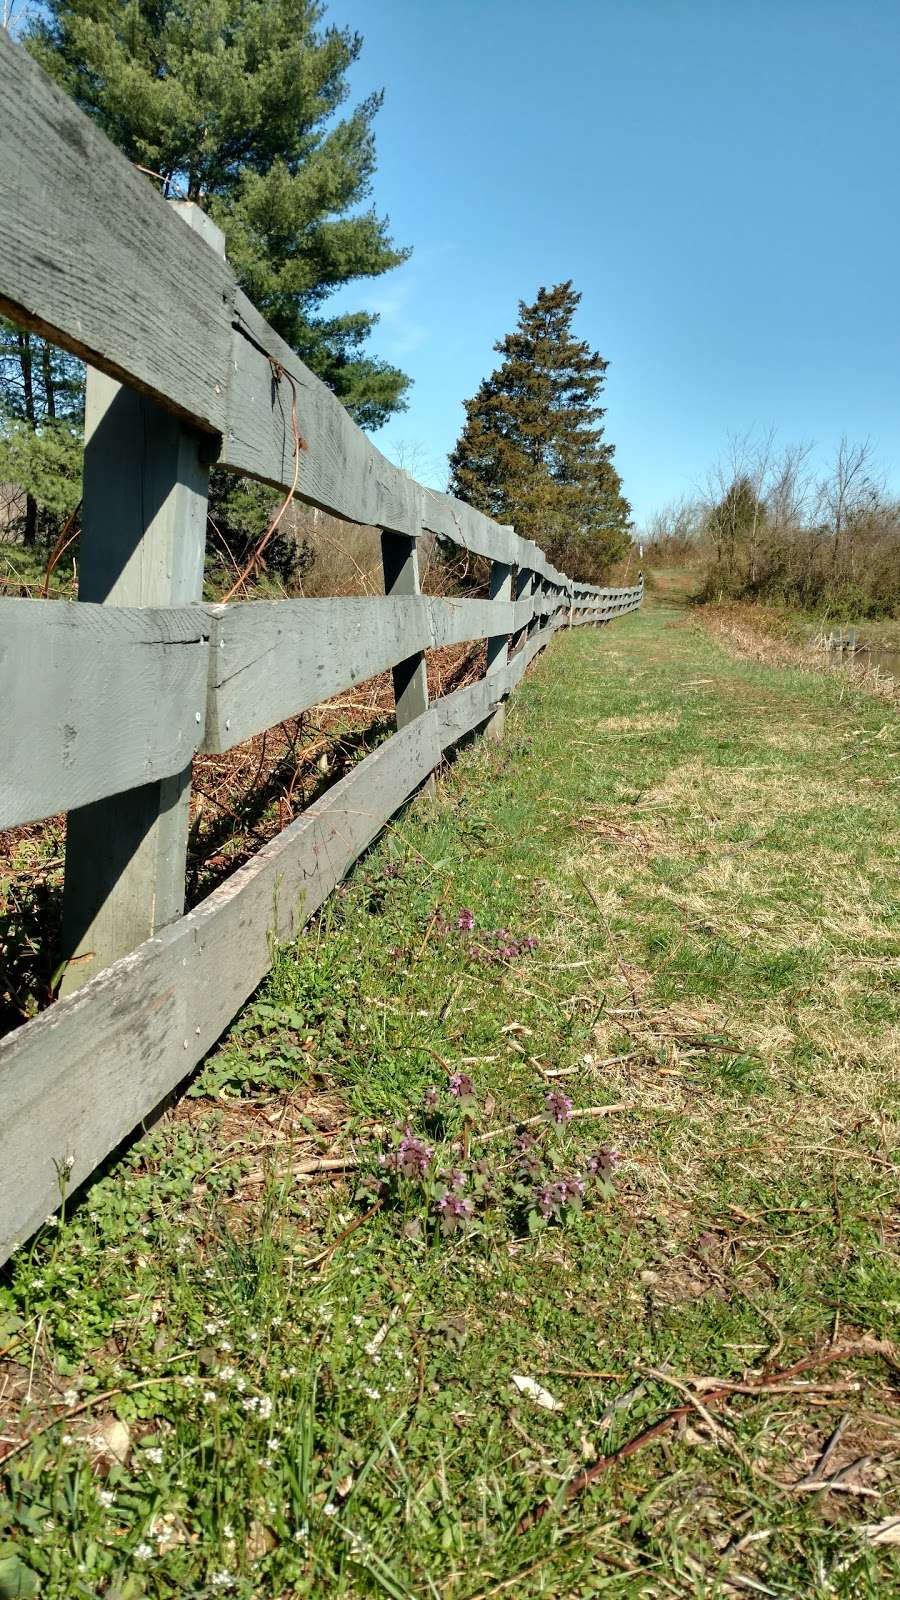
x=657, y=928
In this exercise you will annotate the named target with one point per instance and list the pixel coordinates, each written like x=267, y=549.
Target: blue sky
x=719, y=178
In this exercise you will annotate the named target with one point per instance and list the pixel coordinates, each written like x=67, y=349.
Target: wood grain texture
x=79, y=1078
x=142, y=543
x=96, y=700
x=91, y=257
x=340, y=469
x=273, y=659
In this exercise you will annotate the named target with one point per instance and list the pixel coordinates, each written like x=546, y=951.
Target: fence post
x=400, y=563
x=146, y=478
x=498, y=644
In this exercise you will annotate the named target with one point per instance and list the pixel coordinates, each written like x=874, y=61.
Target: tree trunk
x=47, y=377
x=26, y=361
x=29, y=536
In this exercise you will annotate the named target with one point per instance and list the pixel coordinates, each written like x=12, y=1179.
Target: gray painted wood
x=91, y=257
x=400, y=562
x=273, y=659
x=340, y=469
x=143, y=540
x=96, y=699
x=497, y=653
x=79, y=1078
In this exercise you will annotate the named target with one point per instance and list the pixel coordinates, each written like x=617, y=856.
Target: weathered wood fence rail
x=106, y=701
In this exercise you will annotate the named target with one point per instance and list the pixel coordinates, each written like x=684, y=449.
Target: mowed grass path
x=704, y=850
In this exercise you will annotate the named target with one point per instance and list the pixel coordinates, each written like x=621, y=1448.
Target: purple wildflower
x=570, y=1189
x=531, y=943
x=603, y=1162
x=466, y=919
x=411, y=1157
x=559, y=1106
x=455, y=1210
x=461, y=1086
x=455, y=1179
x=546, y=1200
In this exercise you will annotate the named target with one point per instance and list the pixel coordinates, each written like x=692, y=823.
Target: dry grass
x=756, y=633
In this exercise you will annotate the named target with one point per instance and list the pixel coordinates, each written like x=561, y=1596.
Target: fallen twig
x=324, y=1255
x=303, y=1169
x=818, y=1471
x=528, y=1122
x=718, y=1397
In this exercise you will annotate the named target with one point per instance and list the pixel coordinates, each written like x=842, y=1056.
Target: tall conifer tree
x=532, y=450
x=234, y=103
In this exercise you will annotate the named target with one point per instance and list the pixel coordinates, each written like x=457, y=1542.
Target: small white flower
x=225, y=1344
x=274, y=1443
x=37, y=1283
x=357, y=1321
x=212, y=1327
x=330, y=1510
x=225, y=1373
x=221, y=1580
x=68, y=1438
x=143, y=1551
x=374, y=1394
x=253, y=1336
x=289, y=1372
x=227, y=1530
x=210, y=1396
x=154, y=1454
x=106, y=1497
x=51, y=1222
x=355, y=1272
x=70, y=1397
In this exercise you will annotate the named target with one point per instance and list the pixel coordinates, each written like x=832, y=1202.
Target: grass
x=311, y=1393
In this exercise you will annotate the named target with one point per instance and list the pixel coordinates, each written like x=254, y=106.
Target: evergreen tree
x=532, y=450
x=41, y=416
x=735, y=525
x=233, y=104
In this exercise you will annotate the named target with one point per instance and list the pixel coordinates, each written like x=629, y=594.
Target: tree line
x=769, y=527
x=241, y=107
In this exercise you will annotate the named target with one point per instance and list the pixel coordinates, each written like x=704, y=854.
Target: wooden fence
x=106, y=701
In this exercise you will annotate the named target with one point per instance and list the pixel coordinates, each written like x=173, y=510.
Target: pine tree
x=41, y=416
x=234, y=104
x=532, y=450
